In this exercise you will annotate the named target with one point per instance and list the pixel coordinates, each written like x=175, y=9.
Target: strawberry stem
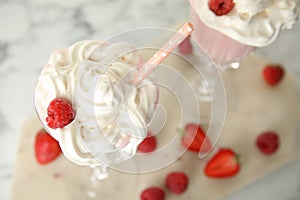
x=43, y=130
x=180, y=131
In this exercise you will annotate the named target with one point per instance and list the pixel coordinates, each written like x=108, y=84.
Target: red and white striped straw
x=163, y=52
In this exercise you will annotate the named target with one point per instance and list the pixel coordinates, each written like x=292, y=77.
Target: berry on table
x=177, y=182
x=46, y=148
x=268, y=142
x=195, y=139
x=224, y=164
x=185, y=46
x=148, y=144
x=153, y=193
x=273, y=74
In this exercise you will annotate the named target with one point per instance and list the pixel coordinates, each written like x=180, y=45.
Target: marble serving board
x=61, y=180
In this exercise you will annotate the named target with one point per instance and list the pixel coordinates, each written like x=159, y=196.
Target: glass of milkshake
x=84, y=99
x=229, y=30
x=97, y=99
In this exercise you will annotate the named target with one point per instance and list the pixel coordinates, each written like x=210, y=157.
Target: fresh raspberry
x=221, y=7
x=177, y=182
x=268, y=142
x=148, y=144
x=185, y=46
x=153, y=193
x=60, y=113
x=273, y=74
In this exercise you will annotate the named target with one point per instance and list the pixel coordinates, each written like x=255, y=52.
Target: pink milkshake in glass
x=229, y=30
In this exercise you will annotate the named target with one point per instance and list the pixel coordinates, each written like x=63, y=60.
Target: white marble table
x=31, y=29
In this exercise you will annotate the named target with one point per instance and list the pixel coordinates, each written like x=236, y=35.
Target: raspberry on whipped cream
x=60, y=113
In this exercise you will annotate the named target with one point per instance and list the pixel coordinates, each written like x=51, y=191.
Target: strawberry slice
x=46, y=148
x=223, y=164
x=194, y=139
x=273, y=74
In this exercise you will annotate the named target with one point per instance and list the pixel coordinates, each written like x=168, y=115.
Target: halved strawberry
x=273, y=74
x=195, y=139
x=46, y=148
x=223, y=164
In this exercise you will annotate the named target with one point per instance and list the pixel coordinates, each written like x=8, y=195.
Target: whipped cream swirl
x=111, y=114
x=251, y=22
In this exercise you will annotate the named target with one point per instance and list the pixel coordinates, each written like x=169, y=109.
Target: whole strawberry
x=148, y=144
x=177, y=182
x=60, y=113
x=223, y=164
x=195, y=139
x=46, y=148
x=153, y=193
x=221, y=7
x=273, y=74
x=268, y=142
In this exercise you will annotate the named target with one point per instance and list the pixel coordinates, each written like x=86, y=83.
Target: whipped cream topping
x=251, y=22
x=111, y=114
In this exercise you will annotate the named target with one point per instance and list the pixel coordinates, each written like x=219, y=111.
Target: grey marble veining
x=3, y=123
x=31, y=29
x=3, y=51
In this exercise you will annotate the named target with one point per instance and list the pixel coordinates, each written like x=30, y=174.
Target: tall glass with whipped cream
x=85, y=100
x=231, y=29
